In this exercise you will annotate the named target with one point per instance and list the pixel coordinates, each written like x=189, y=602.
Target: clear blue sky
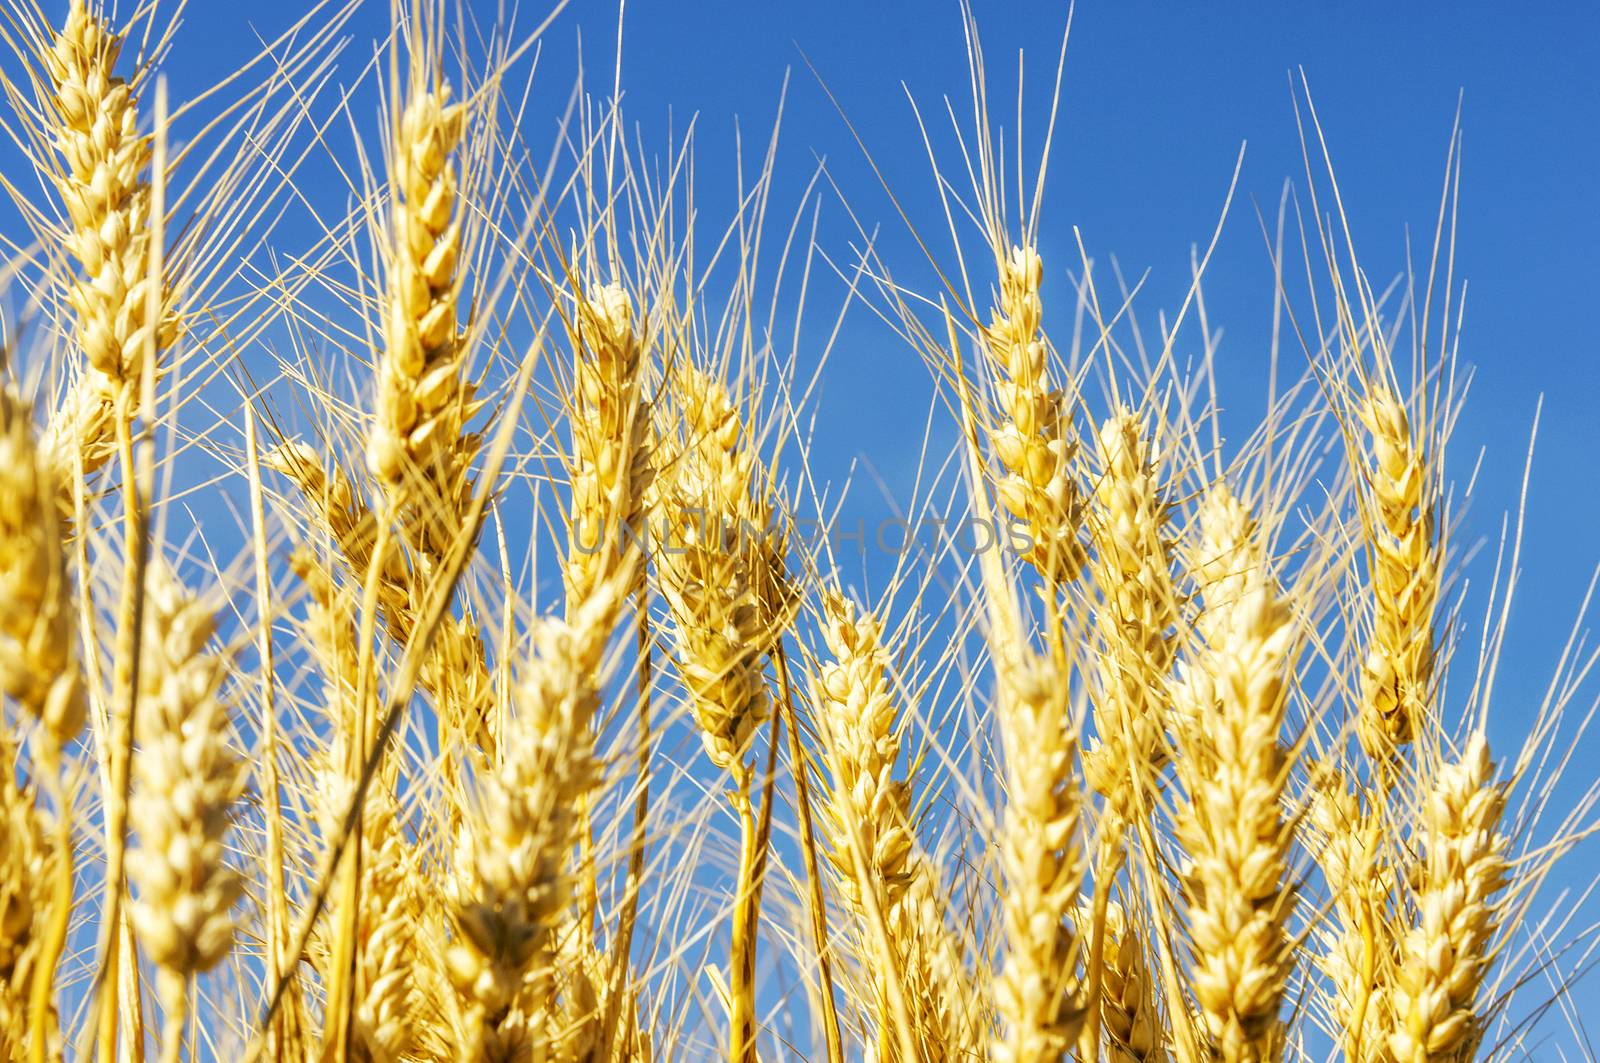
x=1158, y=98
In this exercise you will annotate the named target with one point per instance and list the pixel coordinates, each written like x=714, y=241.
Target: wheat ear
x=38, y=655
x=512, y=882
x=1236, y=876
x=729, y=602
x=1040, y=1004
x=1459, y=874
x=27, y=874
x=917, y=972
x=455, y=672
x=1033, y=434
x=1133, y=649
x=1038, y=1001
x=610, y=465
x=104, y=188
x=1127, y=1001
x=1132, y=568
x=38, y=668
x=608, y=470
x=1405, y=562
x=1356, y=946
x=866, y=810
x=418, y=448
x=387, y=998
x=187, y=778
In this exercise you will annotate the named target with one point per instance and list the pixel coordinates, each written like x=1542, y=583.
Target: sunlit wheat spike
x=105, y=190
x=27, y=863
x=38, y=638
x=711, y=524
x=866, y=809
x=455, y=673
x=1460, y=873
x=512, y=882
x=1132, y=570
x=1236, y=877
x=187, y=778
x=858, y=719
x=1355, y=950
x=944, y=1001
x=610, y=463
x=1128, y=1016
x=1037, y=996
x=418, y=441
x=1403, y=552
x=1033, y=435
x=389, y=1014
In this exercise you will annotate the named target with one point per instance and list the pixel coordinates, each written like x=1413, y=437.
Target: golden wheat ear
x=1032, y=435
x=105, y=190
x=512, y=884
x=1232, y=698
x=187, y=777
x=1400, y=528
x=418, y=448
x=1460, y=871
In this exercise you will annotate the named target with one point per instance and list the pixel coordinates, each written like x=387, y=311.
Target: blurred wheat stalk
x=1167, y=767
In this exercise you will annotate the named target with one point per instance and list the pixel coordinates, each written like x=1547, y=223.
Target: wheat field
x=445, y=637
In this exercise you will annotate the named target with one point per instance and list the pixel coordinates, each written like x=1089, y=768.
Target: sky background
x=1158, y=99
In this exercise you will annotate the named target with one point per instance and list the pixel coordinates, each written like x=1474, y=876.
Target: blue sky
x=1158, y=98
